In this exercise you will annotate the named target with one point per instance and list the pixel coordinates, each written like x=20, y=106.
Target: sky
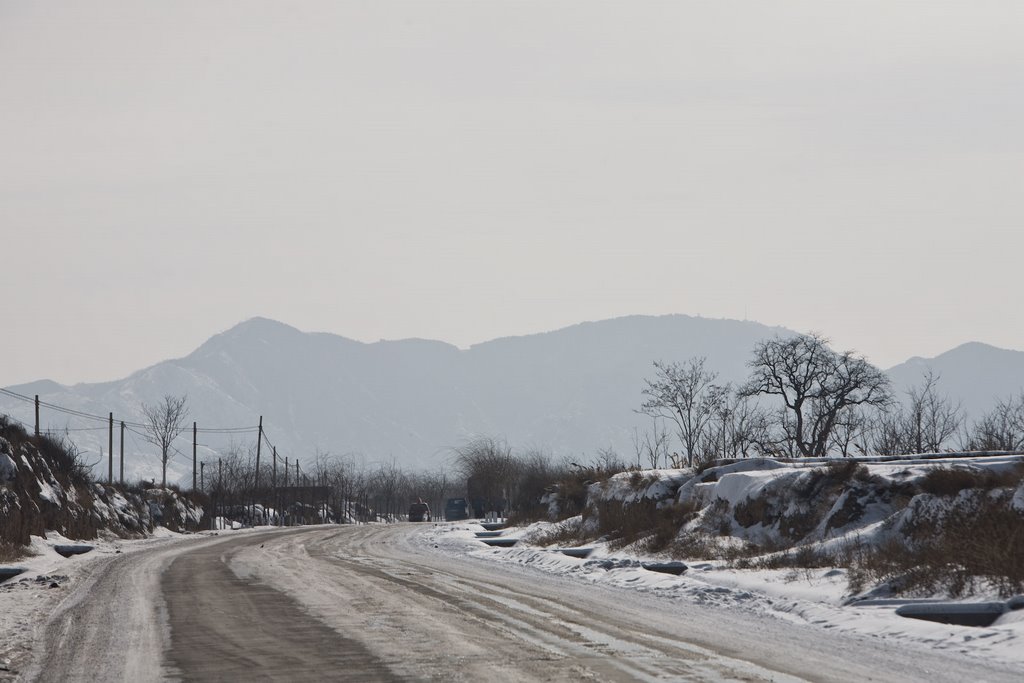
x=468, y=170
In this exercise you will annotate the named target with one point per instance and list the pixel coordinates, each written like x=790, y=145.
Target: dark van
x=456, y=508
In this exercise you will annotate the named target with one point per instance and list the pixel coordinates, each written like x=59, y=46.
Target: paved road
x=365, y=603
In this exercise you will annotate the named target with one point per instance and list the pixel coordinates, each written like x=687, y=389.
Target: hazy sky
x=467, y=170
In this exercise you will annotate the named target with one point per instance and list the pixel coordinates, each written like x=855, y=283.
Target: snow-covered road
x=368, y=603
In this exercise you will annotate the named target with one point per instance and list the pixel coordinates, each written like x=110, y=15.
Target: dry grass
x=980, y=542
x=568, y=533
x=949, y=481
x=654, y=528
x=12, y=552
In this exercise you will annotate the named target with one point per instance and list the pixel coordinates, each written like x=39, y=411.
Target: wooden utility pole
x=273, y=479
x=220, y=489
x=122, y=452
x=110, y=449
x=286, y=466
x=202, y=471
x=259, y=443
x=37, y=415
x=194, y=430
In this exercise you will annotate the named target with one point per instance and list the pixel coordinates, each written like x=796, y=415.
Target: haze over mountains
x=571, y=391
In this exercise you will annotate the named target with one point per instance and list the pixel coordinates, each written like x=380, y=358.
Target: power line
x=140, y=429
x=128, y=423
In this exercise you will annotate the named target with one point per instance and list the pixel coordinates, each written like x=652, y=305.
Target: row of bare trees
x=336, y=488
x=485, y=469
x=804, y=399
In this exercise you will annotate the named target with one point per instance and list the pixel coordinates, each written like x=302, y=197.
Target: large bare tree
x=816, y=384
x=165, y=421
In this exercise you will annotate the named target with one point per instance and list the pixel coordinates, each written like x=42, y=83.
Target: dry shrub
x=693, y=544
x=808, y=556
x=837, y=475
x=628, y=523
x=572, y=493
x=12, y=552
x=568, y=533
x=977, y=541
x=950, y=481
x=64, y=458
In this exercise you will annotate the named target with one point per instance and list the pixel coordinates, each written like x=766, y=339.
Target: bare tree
x=932, y=418
x=165, y=421
x=609, y=461
x=852, y=426
x=687, y=395
x=923, y=424
x=741, y=427
x=653, y=444
x=815, y=384
x=1002, y=429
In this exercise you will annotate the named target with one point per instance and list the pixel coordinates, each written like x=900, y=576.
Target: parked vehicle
x=419, y=512
x=456, y=509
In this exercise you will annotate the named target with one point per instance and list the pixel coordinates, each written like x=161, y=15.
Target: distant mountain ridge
x=569, y=391
x=975, y=374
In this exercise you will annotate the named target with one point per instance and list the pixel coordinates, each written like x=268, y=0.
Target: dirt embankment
x=43, y=486
x=908, y=526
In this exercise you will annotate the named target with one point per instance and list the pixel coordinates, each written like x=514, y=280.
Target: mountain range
x=570, y=391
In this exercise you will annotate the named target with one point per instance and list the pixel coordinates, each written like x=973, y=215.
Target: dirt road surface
x=368, y=603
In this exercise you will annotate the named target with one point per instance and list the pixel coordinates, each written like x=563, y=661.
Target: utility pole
x=110, y=449
x=202, y=471
x=273, y=480
x=220, y=488
x=194, y=430
x=259, y=443
x=286, y=466
x=122, y=452
x=37, y=415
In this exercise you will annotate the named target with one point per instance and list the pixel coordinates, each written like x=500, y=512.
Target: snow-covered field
x=814, y=597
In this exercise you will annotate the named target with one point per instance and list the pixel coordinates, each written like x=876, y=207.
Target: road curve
x=369, y=603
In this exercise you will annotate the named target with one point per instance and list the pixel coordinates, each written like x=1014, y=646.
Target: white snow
x=817, y=597
x=1017, y=503
x=27, y=600
x=8, y=468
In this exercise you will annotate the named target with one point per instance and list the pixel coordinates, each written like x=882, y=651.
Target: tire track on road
x=224, y=628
